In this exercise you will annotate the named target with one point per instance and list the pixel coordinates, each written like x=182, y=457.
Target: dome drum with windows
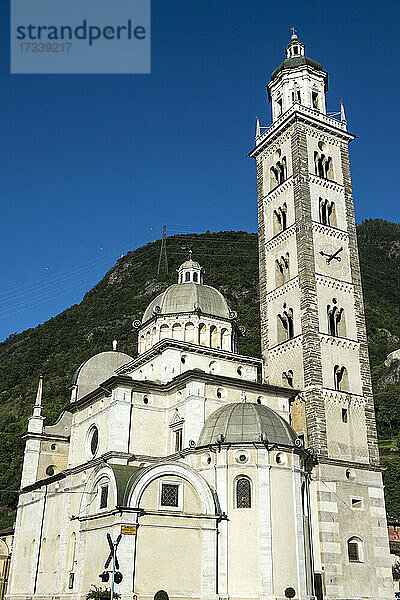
x=191, y=312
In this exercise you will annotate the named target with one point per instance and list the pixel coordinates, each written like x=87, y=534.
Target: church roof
x=246, y=422
x=187, y=298
x=298, y=61
x=190, y=264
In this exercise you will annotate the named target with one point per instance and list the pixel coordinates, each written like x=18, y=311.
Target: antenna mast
x=163, y=260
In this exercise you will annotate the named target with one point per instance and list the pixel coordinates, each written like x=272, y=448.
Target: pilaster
x=372, y=438
x=312, y=363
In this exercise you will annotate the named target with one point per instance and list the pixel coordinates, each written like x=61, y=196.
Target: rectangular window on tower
x=178, y=440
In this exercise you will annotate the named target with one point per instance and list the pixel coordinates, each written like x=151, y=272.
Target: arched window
x=285, y=325
x=153, y=336
x=213, y=337
x=243, y=492
x=55, y=554
x=141, y=344
x=355, y=549
x=177, y=331
x=42, y=555
x=336, y=320
x=187, y=276
x=72, y=552
x=147, y=343
x=195, y=277
x=277, y=173
x=282, y=274
x=287, y=377
x=280, y=218
x=323, y=166
x=341, y=379
x=31, y=562
x=225, y=339
x=327, y=213
x=189, y=332
x=164, y=331
x=202, y=334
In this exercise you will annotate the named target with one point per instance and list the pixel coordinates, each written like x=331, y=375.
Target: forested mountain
x=230, y=259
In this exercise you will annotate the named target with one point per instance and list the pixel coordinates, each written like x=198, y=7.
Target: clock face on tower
x=330, y=257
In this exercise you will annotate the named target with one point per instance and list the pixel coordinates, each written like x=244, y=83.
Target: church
x=217, y=475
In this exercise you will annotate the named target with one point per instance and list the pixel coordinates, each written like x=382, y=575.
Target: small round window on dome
x=280, y=458
x=242, y=457
x=214, y=366
x=221, y=393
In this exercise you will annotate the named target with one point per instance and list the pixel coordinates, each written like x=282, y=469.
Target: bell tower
x=313, y=330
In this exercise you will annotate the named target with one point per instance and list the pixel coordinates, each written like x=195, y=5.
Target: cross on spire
x=294, y=32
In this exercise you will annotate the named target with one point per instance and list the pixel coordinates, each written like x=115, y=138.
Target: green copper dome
x=246, y=422
x=188, y=298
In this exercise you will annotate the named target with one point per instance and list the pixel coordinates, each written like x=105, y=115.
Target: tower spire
x=39, y=392
x=342, y=113
x=35, y=422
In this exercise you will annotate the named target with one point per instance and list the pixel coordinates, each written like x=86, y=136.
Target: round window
x=94, y=440
x=221, y=393
x=242, y=457
x=50, y=471
x=53, y=447
x=280, y=458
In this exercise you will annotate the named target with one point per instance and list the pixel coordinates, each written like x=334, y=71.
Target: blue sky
x=94, y=165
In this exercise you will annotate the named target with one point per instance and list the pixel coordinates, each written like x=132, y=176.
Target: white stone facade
x=190, y=441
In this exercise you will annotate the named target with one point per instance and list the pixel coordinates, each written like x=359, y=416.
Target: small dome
x=190, y=264
x=246, y=422
x=187, y=298
x=298, y=61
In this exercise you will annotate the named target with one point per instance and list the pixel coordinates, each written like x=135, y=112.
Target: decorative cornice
x=147, y=386
x=328, y=184
x=339, y=342
x=279, y=190
x=167, y=344
x=335, y=284
x=332, y=232
x=344, y=398
x=308, y=116
x=292, y=284
x=280, y=238
x=285, y=347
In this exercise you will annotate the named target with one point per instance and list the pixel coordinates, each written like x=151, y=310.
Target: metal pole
x=113, y=570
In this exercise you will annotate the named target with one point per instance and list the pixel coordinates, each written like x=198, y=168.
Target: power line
x=163, y=260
